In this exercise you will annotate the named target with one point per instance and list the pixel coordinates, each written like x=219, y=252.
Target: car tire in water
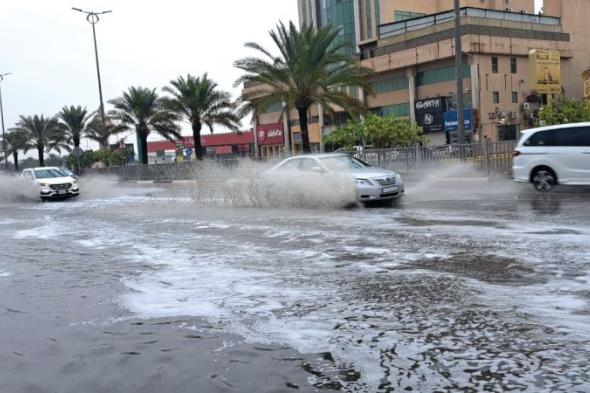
x=544, y=179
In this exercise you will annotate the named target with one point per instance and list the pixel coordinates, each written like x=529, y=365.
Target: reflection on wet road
x=472, y=295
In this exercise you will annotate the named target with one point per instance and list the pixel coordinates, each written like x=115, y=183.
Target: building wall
x=574, y=18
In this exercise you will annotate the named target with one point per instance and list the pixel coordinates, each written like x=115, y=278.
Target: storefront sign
x=545, y=71
x=429, y=114
x=270, y=134
x=451, y=120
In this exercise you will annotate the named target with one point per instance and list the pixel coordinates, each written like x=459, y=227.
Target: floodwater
x=472, y=288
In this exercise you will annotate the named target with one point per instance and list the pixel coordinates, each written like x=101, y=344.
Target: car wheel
x=544, y=180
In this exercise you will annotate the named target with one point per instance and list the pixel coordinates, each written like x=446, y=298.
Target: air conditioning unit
x=526, y=106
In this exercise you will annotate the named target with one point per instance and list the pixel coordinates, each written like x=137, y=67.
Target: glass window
x=390, y=84
x=513, y=65
x=276, y=107
x=578, y=136
x=496, y=97
x=515, y=97
x=399, y=110
x=495, y=64
x=47, y=173
x=541, y=138
x=368, y=13
x=507, y=133
x=343, y=163
x=399, y=15
x=307, y=164
x=377, y=13
x=291, y=165
x=439, y=75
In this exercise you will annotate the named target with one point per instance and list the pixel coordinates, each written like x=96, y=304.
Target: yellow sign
x=586, y=77
x=545, y=71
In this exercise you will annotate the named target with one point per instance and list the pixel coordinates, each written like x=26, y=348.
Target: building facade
x=409, y=44
x=227, y=145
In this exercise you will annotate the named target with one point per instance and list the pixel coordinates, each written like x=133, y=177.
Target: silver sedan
x=339, y=173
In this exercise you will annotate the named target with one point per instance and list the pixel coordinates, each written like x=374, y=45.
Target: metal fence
x=482, y=158
x=485, y=158
x=406, y=26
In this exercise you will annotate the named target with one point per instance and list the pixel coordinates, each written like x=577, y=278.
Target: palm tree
x=42, y=132
x=140, y=109
x=96, y=132
x=74, y=119
x=200, y=102
x=311, y=68
x=16, y=139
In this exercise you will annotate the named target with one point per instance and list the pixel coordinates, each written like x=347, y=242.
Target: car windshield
x=48, y=173
x=343, y=163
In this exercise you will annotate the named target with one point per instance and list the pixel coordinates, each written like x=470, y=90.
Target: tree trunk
x=41, y=155
x=304, y=130
x=144, y=148
x=76, y=140
x=15, y=158
x=197, y=140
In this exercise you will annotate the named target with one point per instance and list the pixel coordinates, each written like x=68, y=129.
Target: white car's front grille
x=61, y=186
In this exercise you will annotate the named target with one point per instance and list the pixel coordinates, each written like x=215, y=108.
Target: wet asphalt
x=461, y=286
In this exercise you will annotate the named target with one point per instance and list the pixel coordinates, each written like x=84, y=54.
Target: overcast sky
x=48, y=47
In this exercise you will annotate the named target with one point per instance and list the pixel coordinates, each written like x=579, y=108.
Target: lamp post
x=2, y=119
x=459, y=72
x=92, y=18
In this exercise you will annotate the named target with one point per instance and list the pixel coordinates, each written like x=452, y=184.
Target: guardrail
x=484, y=158
x=487, y=157
x=406, y=26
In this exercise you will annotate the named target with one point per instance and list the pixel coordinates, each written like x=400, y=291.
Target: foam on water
x=5, y=273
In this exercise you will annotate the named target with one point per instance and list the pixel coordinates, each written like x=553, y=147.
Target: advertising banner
x=545, y=71
x=451, y=120
x=429, y=114
x=270, y=134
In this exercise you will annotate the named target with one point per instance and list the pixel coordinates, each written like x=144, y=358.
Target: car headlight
x=364, y=182
x=44, y=185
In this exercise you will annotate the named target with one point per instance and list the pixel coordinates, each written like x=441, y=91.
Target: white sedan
x=53, y=183
x=334, y=177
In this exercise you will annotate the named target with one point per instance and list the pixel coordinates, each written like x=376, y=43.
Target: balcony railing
x=406, y=26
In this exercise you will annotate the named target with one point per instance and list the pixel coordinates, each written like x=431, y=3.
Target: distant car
x=553, y=155
x=53, y=183
x=368, y=183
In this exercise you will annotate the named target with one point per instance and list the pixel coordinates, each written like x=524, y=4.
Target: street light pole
x=92, y=18
x=459, y=72
x=2, y=119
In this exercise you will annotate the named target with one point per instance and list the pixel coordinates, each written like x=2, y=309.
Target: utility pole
x=92, y=18
x=459, y=72
x=2, y=117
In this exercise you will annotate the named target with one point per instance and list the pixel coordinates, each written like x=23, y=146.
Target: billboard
x=429, y=114
x=545, y=71
x=270, y=134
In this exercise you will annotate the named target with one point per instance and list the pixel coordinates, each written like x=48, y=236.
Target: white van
x=553, y=155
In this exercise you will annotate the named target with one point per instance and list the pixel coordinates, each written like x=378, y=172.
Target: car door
x=573, y=145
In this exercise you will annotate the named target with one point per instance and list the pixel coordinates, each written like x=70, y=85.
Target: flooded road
x=145, y=290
